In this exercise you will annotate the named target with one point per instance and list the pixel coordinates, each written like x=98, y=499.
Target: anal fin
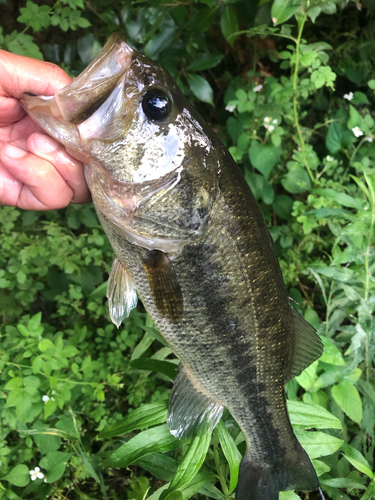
x=164, y=285
x=307, y=345
x=121, y=294
x=192, y=411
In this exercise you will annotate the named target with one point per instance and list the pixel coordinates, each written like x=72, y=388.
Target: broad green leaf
x=318, y=444
x=260, y=187
x=331, y=354
x=283, y=206
x=282, y=10
x=143, y=345
x=296, y=181
x=308, y=416
x=19, y=475
x=357, y=460
x=231, y=453
x=157, y=439
x=341, y=198
x=348, y=399
x=166, y=367
x=338, y=138
x=205, y=61
x=45, y=344
x=34, y=322
x=320, y=467
x=288, y=495
x=201, y=88
x=355, y=119
x=192, y=461
x=55, y=464
x=50, y=432
x=229, y=24
x=264, y=157
x=159, y=465
x=342, y=482
x=140, y=418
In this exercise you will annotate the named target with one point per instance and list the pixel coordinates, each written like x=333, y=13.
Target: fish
x=191, y=242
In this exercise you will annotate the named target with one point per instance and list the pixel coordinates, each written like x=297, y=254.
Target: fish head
x=151, y=162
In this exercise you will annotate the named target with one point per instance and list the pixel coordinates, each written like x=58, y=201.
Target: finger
x=11, y=111
x=23, y=74
x=70, y=169
x=37, y=184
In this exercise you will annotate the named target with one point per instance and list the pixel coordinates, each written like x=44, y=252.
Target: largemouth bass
x=191, y=241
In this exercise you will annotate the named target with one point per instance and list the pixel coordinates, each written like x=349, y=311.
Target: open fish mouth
x=74, y=114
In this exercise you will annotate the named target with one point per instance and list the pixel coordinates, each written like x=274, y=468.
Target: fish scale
x=190, y=239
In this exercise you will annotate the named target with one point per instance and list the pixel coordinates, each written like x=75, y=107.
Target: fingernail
x=13, y=152
x=44, y=144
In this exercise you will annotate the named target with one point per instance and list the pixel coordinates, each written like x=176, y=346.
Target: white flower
x=267, y=123
x=47, y=398
x=230, y=107
x=258, y=88
x=329, y=158
x=369, y=138
x=36, y=474
x=357, y=131
x=349, y=96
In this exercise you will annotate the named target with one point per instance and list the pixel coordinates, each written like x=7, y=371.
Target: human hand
x=36, y=173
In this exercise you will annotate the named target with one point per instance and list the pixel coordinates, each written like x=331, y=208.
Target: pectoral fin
x=192, y=410
x=121, y=294
x=307, y=345
x=164, y=285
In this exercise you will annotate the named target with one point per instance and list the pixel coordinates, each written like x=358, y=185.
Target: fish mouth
x=63, y=115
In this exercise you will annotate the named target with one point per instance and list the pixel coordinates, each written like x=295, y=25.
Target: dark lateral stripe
x=164, y=285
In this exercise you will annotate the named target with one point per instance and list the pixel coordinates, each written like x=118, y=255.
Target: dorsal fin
x=192, y=411
x=307, y=345
x=164, y=285
x=121, y=294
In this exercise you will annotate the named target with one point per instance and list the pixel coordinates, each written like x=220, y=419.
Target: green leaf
x=308, y=416
x=341, y=198
x=192, y=461
x=201, y=88
x=231, y=453
x=45, y=344
x=318, y=444
x=19, y=475
x=357, y=460
x=229, y=25
x=282, y=10
x=348, y=399
x=283, y=206
x=55, y=463
x=157, y=439
x=320, y=467
x=338, y=138
x=205, y=61
x=355, y=119
x=145, y=416
x=166, y=367
x=296, y=181
x=288, y=495
x=264, y=157
x=260, y=187
x=34, y=322
x=50, y=432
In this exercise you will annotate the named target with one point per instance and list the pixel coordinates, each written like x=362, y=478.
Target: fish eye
x=156, y=105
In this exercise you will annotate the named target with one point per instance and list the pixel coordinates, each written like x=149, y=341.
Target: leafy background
x=289, y=87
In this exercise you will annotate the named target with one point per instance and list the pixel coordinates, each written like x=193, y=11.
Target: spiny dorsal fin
x=164, y=285
x=121, y=294
x=307, y=347
x=192, y=410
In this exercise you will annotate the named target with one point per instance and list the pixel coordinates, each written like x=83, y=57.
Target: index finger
x=21, y=74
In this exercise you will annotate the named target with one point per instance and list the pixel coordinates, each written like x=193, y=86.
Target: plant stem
x=301, y=24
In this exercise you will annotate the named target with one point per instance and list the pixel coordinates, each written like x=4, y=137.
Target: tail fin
x=263, y=481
